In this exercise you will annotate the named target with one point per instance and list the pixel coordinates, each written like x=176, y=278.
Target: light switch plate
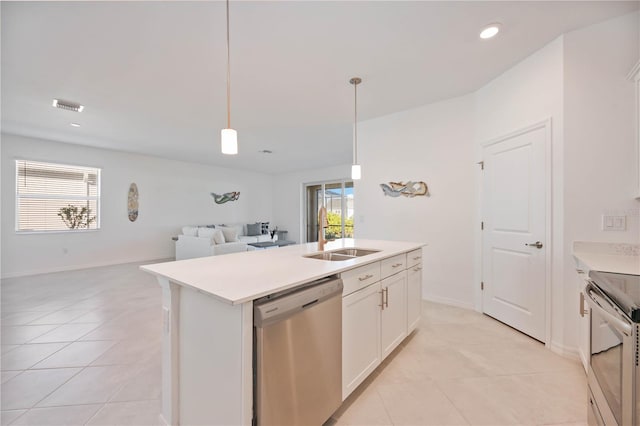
x=614, y=223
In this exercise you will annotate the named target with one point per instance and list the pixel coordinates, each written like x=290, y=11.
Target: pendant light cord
x=228, y=73
x=355, y=123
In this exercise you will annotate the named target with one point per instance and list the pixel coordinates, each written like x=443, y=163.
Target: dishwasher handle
x=270, y=311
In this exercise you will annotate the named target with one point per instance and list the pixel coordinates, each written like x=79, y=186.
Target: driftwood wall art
x=406, y=189
x=132, y=202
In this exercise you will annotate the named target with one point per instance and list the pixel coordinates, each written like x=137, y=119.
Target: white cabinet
x=393, y=265
x=378, y=315
x=414, y=296
x=360, y=277
x=634, y=76
x=360, y=336
x=394, y=312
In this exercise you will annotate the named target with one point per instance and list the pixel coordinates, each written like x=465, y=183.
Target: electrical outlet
x=614, y=223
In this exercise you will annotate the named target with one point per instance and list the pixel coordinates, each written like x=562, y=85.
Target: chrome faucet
x=322, y=225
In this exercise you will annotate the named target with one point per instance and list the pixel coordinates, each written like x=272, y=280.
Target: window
x=56, y=197
x=337, y=197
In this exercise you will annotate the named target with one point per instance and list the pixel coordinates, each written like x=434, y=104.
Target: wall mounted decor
x=227, y=196
x=409, y=189
x=132, y=202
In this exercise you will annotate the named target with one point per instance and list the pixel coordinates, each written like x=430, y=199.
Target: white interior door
x=513, y=243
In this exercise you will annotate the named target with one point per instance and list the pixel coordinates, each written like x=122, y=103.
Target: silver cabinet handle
x=386, y=299
x=583, y=311
x=396, y=265
x=537, y=245
x=366, y=277
x=416, y=269
x=416, y=258
x=382, y=300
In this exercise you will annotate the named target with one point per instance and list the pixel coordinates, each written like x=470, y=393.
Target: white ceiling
x=152, y=74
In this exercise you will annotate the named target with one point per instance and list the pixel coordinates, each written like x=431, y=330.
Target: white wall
x=433, y=144
x=600, y=140
x=172, y=194
x=528, y=93
x=288, y=190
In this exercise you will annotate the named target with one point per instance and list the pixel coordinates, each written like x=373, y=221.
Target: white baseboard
x=447, y=301
x=163, y=422
x=79, y=267
x=565, y=351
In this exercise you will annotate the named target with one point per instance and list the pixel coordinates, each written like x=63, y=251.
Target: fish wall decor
x=227, y=196
x=409, y=189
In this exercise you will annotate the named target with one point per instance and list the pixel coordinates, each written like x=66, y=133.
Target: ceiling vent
x=69, y=106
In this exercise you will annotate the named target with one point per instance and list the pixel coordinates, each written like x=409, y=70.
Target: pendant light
x=228, y=136
x=356, y=171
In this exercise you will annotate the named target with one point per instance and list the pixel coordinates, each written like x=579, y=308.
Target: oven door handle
x=598, y=302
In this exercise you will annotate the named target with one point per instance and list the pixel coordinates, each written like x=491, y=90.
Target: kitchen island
x=208, y=319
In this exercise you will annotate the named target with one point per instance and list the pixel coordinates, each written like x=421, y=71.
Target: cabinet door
x=584, y=324
x=360, y=336
x=414, y=297
x=394, y=314
x=584, y=332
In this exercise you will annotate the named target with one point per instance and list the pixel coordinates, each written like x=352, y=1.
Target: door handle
x=386, y=299
x=537, y=245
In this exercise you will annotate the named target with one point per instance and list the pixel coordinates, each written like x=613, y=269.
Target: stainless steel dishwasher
x=298, y=355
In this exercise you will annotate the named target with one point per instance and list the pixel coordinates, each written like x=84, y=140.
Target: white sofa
x=213, y=240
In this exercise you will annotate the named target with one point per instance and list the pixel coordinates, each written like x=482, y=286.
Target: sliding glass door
x=337, y=197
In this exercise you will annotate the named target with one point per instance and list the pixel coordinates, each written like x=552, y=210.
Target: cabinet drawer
x=393, y=265
x=357, y=278
x=414, y=257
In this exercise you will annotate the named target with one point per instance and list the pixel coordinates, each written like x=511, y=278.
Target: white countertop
x=240, y=277
x=607, y=257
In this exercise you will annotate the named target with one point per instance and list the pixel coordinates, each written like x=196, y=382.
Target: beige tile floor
x=83, y=347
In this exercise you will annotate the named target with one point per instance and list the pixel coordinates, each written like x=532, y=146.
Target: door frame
x=546, y=125
x=305, y=201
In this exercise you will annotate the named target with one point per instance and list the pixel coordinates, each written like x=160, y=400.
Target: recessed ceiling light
x=490, y=31
x=74, y=124
x=69, y=106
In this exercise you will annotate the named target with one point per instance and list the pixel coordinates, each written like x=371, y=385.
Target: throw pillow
x=191, y=231
x=230, y=234
x=206, y=233
x=218, y=236
x=254, y=229
x=265, y=228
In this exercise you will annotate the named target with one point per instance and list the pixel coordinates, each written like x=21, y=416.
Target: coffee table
x=271, y=244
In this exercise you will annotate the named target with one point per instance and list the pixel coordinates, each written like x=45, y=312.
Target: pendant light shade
x=229, y=139
x=356, y=171
x=228, y=136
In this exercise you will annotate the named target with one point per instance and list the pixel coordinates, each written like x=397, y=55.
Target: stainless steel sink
x=356, y=252
x=329, y=256
x=341, y=254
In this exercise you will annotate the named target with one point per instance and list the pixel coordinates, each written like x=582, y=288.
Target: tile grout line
x=62, y=384
x=435, y=382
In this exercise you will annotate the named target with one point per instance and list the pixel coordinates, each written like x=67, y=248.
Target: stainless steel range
x=614, y=375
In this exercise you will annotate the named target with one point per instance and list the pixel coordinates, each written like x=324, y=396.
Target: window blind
x=56, y=197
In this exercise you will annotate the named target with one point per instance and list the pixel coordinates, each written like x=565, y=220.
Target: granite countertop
x=241, y=277
x=621, y=258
